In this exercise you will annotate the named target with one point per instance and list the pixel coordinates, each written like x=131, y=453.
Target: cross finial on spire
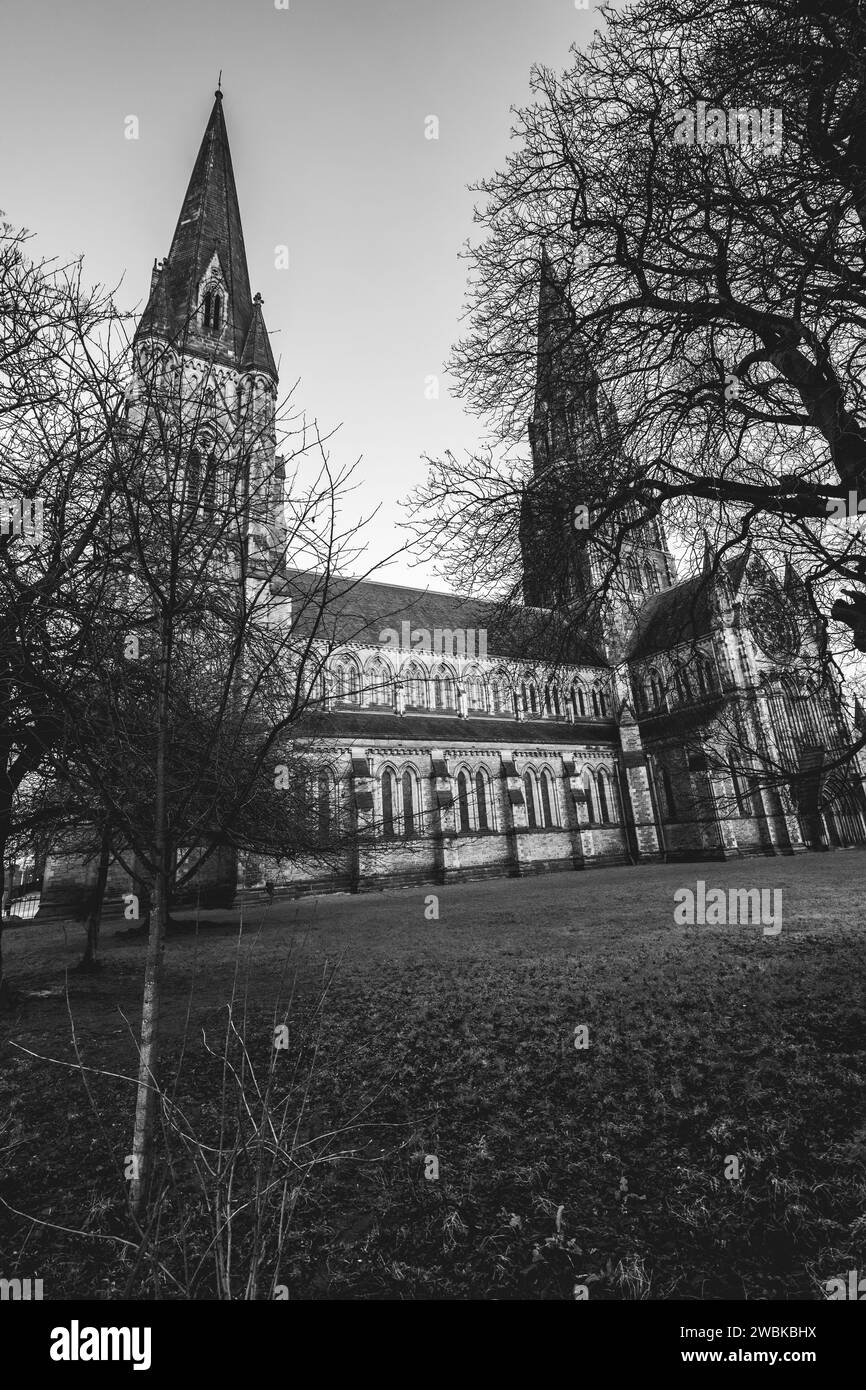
x=219, y=87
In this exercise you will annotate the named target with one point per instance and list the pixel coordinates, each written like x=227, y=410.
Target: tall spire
x=578, y=460
x=207, y=252
x=571, y=413
x=563, y=362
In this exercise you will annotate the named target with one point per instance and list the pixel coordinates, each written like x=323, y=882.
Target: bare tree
x=209, y=648
x=718, y=292
x=59, y=399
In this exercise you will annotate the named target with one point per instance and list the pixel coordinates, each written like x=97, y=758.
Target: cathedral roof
x=361, y=611
x=682, y=613
x=675, y=615
x=435, y=729
x=208, y=239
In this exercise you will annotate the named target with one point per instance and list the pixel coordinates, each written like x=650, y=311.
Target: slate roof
x=365, y=726
x=682, y=613
x=362, y=611
x=676, y=615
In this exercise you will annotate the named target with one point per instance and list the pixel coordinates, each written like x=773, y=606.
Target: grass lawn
x=455, y=1038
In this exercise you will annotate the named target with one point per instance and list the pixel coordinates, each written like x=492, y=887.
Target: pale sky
x=325, y=104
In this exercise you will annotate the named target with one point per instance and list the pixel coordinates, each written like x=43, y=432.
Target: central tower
x=602, y=574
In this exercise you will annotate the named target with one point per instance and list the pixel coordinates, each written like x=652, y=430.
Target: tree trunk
x=8, y=885
x=5, y=988
x=94, y=916
x=146, y=1097
x=5, y=992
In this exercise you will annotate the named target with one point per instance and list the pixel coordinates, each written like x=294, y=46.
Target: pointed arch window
x=212, y=311
x=614, y=804
x=379, y=682
x=193, y=479
x=551, y=700
x=325, y=806
x=209, y=482
x=477, y=692
x=481, y=801
x=388, y=799
x=529, y=792
x=416, y=688
x=652, y=577
x=742, y=791
x=408, y=806
x=548, y=799
x=464, y=823
x=603, y=808
x=595, y=708
x=588, y=787
x=346, y=683
x=669, y=794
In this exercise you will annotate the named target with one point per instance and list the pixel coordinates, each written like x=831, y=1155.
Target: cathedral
x=674, y=718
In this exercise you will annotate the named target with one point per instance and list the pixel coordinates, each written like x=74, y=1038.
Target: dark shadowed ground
x=454, y=1038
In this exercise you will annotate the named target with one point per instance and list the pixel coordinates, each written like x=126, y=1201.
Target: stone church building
x=456, y=745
